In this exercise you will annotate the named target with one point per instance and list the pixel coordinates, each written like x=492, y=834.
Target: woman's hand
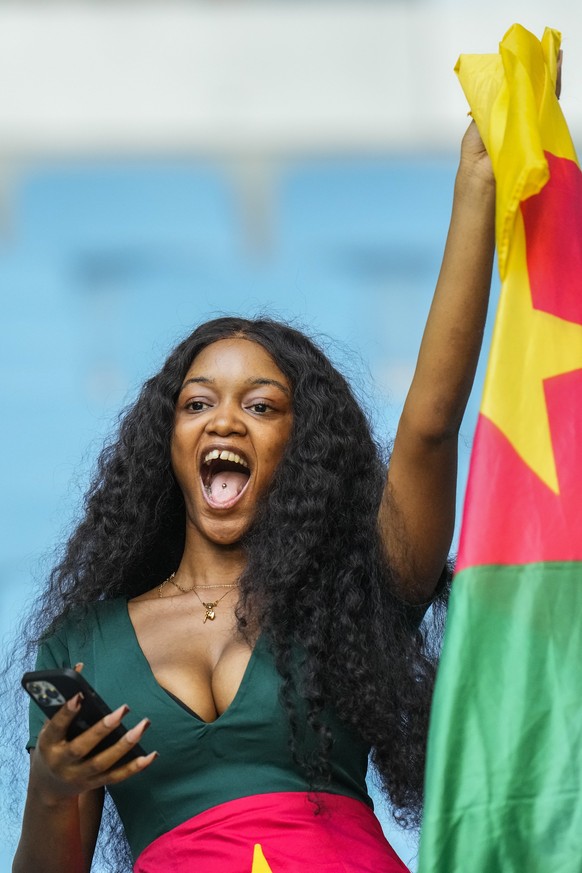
x=61, y=769
x=475, y=162
x=474, y=158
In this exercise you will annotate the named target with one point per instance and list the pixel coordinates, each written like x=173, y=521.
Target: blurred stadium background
x=165, y=162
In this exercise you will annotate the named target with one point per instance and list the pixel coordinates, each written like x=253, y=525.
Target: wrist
x=48, y=793
x=475, y=179
x=51, y=800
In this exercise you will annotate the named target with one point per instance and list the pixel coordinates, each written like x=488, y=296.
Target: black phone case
x=68, y=682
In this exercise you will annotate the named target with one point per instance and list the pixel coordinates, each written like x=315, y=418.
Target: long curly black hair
x=316, y=575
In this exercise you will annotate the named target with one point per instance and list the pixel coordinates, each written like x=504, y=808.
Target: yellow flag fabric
x=512, y=99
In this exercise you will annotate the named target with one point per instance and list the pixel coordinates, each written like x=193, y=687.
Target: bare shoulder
x=152, y=594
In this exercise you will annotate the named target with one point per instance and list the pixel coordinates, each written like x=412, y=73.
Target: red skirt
x=276, y=833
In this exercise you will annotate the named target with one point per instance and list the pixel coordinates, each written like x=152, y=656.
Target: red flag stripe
x=553, y=232
x=530, y=523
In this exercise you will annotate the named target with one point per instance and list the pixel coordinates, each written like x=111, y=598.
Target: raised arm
x=417, y=513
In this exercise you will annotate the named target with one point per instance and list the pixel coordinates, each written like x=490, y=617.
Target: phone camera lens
x=35, y=688
x=52, y=693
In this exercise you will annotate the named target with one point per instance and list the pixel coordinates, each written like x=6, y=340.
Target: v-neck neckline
x=172, y=698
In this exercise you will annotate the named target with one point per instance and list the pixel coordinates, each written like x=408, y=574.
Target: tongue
x=225, y=486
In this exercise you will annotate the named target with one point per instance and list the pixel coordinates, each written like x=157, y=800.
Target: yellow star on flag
x=260, y=864
x=528, y=347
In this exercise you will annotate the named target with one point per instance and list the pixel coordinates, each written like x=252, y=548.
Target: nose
x=227, y=418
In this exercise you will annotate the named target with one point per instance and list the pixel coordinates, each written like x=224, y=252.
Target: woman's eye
x=259, y=407
x=196, y=405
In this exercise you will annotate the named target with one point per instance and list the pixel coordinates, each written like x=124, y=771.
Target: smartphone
x=50, y=689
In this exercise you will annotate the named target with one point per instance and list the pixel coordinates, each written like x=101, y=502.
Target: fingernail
x=135, y=733
x=115, y=717
x=147, y=759
x=79, y=666
x=75, y=702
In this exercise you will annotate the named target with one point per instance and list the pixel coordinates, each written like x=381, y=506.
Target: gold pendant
x=210, y=614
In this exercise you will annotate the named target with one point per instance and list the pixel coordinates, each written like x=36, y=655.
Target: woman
x=245, y=578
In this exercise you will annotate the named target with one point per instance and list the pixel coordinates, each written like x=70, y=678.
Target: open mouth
x=224, y=476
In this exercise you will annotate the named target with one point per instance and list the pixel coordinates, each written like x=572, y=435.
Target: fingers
x=103, y=768
x=55, y=729
x=55, y=732
x=105, y=765
x=83, y=744
x=86, y=742
x=136, y=766
x=71, y=762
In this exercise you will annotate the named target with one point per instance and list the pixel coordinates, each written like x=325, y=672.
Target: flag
x=504, y=772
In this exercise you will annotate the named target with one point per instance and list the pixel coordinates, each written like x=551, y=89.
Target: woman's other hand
x=60, y=768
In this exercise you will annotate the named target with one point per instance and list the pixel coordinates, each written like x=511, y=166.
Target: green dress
x=210, y=777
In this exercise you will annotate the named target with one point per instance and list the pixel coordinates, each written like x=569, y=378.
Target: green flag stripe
x=505, y=745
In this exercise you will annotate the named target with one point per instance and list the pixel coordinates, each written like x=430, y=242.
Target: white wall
x=258, y=77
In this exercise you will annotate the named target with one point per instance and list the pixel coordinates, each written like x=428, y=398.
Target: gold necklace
x=209, y=607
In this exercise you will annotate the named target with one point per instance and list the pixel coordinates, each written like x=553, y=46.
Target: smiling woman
x=249, y=579
x=232, y=424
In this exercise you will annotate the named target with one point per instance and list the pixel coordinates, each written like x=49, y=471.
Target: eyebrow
x=205, y=380
x=274, y=382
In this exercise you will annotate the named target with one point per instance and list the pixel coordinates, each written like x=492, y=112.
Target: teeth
x=224, y=456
